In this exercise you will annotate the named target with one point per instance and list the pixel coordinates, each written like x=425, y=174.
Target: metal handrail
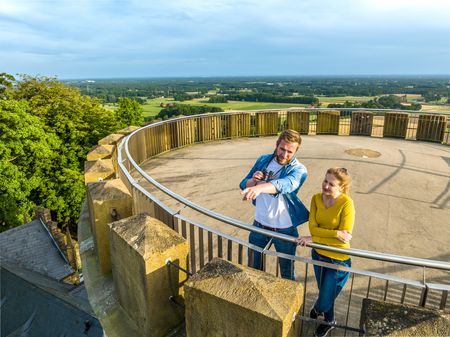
x=236, y=223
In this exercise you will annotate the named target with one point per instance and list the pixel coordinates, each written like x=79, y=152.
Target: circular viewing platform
x=400, y=189
x=186, y=172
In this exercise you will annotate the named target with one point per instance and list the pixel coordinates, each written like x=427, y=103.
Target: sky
x=193, y=38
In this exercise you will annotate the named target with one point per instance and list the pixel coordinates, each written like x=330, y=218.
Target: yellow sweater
x=324, y=223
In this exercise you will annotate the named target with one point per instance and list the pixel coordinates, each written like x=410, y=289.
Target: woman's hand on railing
x=304, y=240
x=344, y=236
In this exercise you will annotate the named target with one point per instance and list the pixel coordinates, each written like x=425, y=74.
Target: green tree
x=27, y=153
x=130, y=112
x=218, y=99
x=6, y=83
x=77, y=122
x=185, y=110
x=431, y=97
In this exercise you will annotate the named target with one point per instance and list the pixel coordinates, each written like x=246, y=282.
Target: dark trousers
x=281, y=246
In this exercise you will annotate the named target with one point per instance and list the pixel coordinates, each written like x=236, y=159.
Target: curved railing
x=207, y=242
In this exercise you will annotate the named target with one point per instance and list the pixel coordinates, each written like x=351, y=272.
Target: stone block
x=98, y=170
x=112, y=139
x=140, y=247
x=101, y=152
x=108, y=201
x=389, y=319
x=128, y=130
x=225, y=299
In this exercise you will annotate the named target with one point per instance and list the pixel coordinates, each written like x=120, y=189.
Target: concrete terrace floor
x=402, y=200
x=401, y=197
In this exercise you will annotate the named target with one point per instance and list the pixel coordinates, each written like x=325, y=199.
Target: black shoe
x=314, y=314
x=323, y=330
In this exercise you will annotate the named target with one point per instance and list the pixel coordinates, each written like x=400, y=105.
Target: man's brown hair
x=290, y=136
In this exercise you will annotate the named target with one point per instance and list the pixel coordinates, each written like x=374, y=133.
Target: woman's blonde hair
x=343, y=176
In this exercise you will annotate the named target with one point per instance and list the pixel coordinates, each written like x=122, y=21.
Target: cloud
x=178, y=34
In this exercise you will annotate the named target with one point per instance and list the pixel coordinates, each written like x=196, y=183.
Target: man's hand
x=257, y=177
x=250, y=193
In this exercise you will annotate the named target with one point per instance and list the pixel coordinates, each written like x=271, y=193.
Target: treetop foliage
x=383, y=102
x=186, y=110
x=218, y=99
x=46, y=130
x=130, y=112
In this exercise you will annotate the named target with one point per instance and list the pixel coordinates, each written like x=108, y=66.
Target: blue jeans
x=281, y=246
x=330, y=283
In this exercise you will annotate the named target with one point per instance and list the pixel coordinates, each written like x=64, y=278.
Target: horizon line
x=251, y=76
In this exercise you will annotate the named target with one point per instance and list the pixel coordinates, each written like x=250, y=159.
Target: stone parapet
x=98, y=170
x=112, y=139
x=128, y=130
x=394, y=320
x=108, y=201
x=101, y=152
x=102, y=297
x=140, y=246
x=225, y=299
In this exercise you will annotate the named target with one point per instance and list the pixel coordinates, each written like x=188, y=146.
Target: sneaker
x=323, y=330
x=314, y=314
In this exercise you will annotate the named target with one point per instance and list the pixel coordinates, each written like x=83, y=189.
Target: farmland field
x=436, y=108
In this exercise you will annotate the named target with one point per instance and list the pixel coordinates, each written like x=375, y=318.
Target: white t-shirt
x=272, y=211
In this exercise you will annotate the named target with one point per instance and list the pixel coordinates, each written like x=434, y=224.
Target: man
x=272, y=185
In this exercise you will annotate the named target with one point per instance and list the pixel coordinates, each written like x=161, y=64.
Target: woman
x=331, y=220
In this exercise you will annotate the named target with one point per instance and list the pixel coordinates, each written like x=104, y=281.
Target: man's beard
x=281, y=161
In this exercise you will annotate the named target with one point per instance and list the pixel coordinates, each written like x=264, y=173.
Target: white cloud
x=196, y=31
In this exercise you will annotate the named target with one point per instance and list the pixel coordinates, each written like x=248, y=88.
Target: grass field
x=152, y=107
x=437, y=108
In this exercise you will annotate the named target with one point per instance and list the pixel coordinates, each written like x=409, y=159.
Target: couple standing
x=272, y=185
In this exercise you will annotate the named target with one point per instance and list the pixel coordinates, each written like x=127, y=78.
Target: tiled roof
x=30, y=246
x=36, y=305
